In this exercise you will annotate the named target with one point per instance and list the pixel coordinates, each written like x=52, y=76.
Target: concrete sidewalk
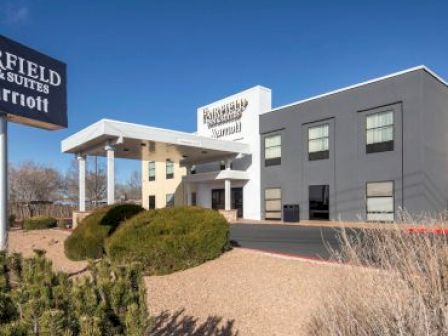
x=419, y=228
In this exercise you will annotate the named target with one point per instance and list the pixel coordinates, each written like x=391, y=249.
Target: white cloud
x=14, y=13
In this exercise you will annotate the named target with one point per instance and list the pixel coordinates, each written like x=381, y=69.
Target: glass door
x=218, y=200
x=319, y=202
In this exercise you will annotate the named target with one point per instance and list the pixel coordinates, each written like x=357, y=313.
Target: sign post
x=3, y=182
x=33, y=93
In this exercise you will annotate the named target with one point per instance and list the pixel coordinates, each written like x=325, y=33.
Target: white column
x=82, y=182
x=110, y=174
x=227, y=194
x=228, y=189
x=188, y=190
x=3, y=183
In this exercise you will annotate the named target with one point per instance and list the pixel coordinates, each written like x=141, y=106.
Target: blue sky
x=155, y=62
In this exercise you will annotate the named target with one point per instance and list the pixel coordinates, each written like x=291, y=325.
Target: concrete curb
x=288, y=256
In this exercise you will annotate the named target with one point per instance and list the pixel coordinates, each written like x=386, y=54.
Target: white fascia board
x=378, y=79
x=232, y=175
x=217, y=175
x=116, y=129
x=85, y=135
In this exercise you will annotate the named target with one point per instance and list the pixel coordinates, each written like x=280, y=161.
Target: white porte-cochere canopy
x=111, y=138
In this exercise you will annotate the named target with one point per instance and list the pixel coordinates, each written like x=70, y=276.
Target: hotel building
x=358, y=153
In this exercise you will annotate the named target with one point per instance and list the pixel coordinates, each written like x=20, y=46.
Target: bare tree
x=31, y=183
x=96, y=181
x=131, y=189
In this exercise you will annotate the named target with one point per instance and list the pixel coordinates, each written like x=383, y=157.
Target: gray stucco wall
x=418, y=165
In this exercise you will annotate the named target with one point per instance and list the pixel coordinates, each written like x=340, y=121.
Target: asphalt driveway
x=304, y=241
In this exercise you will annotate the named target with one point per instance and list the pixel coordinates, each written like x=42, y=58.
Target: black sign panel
x=32, y=86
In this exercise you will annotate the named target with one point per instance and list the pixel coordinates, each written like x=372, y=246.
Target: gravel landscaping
x=51, y=240
x=241, y=293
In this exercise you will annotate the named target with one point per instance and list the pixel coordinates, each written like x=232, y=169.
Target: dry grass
x=406, y=295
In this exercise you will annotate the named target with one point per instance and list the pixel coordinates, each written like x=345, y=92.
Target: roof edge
x=354, y=86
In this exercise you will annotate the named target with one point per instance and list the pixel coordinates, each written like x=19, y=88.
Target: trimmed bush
x=87, y=240
x=39, y=223
x=170, y=239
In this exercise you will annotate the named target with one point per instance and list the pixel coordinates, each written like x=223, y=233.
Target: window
x=380, y=132
x=169, y=169
x=193, y=199
x=169, y=200
x=380, y=201
x=273, y=203
x=273, y=150
x=152, y=170
x=318, y=143
x=152, y=202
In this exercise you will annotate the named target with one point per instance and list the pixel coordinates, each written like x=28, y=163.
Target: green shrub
x=170, y=239
x=87, y=240
x=39, y=223
x=34, y=300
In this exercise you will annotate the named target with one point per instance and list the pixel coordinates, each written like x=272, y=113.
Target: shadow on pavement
x=178, y=323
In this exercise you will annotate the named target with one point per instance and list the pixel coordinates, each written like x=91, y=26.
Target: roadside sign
x=32, y=87
x=33, y=93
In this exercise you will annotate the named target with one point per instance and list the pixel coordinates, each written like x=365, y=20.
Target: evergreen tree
x=36, y=301
x=52, y=322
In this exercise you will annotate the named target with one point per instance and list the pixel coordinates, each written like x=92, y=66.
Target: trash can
x=291, y=213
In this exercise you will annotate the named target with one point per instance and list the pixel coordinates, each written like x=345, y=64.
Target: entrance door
x=319, y=202
x=236, y=202
x=218, y=199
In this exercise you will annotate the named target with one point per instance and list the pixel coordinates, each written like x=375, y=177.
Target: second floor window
x=380, y=132
x=169, y=169
x=318, y=144
x=152, y=170
x=273, y=150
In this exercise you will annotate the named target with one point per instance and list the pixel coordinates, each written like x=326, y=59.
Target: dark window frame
x=272, y=161
x=150, y=177
x=384, y=146
x=320, y=155
x=151, y=197
x=169, y=175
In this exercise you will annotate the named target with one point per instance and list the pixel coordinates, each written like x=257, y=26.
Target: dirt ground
x=51, y=241
x=241, y=293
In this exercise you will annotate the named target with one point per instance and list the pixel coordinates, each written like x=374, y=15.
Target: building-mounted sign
x=225, y=119
x=32, y=86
